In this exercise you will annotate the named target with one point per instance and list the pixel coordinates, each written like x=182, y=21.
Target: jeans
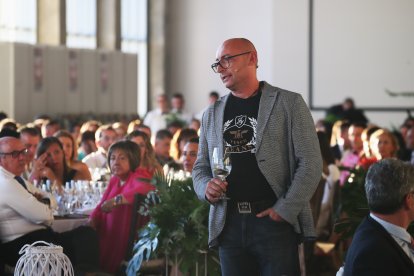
x=257, y=246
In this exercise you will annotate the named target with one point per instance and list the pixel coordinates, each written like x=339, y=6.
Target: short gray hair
x=387, y=183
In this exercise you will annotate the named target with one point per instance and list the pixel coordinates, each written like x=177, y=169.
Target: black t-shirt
x=246, y=182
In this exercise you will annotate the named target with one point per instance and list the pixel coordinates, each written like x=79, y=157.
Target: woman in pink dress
x=112, y=217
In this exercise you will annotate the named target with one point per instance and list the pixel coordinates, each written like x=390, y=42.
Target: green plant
x=353, y=203
x=178, y=227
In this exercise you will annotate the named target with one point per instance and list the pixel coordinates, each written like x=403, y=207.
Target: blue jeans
x=257, y=246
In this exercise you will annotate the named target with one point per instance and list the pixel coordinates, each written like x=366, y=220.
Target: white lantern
x=43, y=260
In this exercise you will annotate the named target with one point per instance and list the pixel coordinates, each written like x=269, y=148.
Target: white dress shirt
x=96, y=159
x=155, y=119
x=20, y=211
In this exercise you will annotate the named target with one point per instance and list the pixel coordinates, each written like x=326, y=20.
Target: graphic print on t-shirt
x=239, y=134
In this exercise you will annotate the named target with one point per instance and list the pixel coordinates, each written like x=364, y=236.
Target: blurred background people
x=213, y=96
x=179, y=140
x=87, y=144
x=149, y=164
x=70, y=149
x=156, y=118
x=51, y=155
x=120, y=129
x=30, y=137
x=162, y=148
x=178, y=108
x=383, y=144
x=339, y=139
x=189, y=154
x=50, y=127
x=105, y=136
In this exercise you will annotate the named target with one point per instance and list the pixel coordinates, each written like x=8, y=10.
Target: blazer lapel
x=267, y=102
x=218, y=122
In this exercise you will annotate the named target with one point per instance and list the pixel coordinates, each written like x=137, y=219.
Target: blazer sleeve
x=202, y=171
x=308, y=163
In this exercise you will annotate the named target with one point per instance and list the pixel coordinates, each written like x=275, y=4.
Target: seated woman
x=112, y=216
x=383, y=144
x=53, y=165
x=70, y=149
x=189, y=154
x=149, y=164
x=180, y=138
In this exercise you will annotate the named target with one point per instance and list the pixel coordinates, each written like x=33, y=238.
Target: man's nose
x=220, y=68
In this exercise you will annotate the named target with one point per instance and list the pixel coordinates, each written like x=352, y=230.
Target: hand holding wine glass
x=221, y=168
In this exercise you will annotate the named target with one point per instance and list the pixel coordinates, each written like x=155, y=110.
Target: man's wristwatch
x=118, y=200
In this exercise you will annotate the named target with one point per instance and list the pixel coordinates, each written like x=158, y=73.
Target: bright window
x=81, y=23
x=18, y=21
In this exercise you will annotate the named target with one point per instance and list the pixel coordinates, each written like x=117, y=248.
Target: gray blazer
x=287, y=152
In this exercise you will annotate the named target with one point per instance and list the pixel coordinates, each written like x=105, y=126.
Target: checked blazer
x=287, y=152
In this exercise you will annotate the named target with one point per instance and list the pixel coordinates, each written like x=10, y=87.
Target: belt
x=249, y=207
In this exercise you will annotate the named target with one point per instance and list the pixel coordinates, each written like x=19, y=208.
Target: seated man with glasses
x=24, y=219
x=381, y=245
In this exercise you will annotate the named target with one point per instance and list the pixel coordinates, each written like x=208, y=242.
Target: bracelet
x=117, y=200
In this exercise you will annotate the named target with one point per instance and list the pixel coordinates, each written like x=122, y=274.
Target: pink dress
x=113, y=228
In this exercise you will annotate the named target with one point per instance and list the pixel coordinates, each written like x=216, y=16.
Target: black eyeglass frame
x=16, y=153
x=215, y=65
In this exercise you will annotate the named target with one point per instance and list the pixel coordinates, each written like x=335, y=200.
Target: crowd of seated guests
x=134, y=154
x=149, y=164
x=353, y=144
x=56, y=154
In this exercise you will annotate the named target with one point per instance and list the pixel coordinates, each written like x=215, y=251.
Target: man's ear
x=409, y=201
x=254, y=59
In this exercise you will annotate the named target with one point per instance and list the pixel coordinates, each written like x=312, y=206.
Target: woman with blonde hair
x=383, y=144
x=149, y=164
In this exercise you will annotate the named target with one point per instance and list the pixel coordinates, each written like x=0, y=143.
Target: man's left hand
x=271, y=213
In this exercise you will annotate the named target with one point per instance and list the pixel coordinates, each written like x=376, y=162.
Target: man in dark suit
x=381, y=244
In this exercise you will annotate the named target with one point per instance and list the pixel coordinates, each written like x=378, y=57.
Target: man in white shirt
x=30, y=136
x=24, y=218
x=178, y=103
x=105, y=136
x=156, y=118
x=381, y=245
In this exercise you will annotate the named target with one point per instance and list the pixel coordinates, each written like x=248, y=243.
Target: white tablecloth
x=65, y=224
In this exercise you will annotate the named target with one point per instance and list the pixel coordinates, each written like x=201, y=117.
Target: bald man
x=270, y=137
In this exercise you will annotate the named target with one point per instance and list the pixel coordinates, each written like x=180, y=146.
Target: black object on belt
x=249, y=207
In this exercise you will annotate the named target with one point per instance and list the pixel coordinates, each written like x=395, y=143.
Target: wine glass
x=221, y=168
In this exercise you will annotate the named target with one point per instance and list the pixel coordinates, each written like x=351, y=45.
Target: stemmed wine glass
x=221, y=168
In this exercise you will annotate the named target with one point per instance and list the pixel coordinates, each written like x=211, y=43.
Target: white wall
x=280, y=31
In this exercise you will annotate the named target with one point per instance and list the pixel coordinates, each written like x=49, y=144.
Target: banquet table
x=69, y=222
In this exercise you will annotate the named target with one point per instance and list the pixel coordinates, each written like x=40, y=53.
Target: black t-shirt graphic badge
x=240, y=134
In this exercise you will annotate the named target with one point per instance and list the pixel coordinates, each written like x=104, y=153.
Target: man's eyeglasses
x=16, y=153
x=225, y=62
